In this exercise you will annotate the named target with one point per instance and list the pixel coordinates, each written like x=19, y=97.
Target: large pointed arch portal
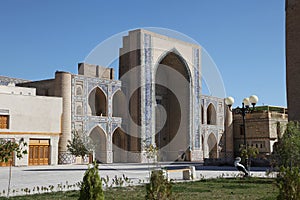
x=172, y=131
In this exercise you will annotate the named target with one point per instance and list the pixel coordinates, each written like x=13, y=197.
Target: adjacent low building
x=37, y=119
x=263, y=128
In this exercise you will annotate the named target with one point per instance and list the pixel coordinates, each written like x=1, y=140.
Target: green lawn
x=229, y=189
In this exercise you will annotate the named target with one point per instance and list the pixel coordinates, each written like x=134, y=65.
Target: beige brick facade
x=263, y=128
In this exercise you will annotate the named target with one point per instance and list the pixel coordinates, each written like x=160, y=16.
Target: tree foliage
x=91, y=186
x=9, y=147
x=287, y=149
x=77, y=146
x=151, y=152
x=248, y=153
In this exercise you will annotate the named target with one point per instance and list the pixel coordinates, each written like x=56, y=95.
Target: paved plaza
x=33, y=176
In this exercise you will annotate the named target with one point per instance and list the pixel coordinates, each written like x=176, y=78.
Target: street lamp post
x=243, y=111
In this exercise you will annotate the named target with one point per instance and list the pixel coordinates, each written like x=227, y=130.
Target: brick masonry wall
x=293, y=58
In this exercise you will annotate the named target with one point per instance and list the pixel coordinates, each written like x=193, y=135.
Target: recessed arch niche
x=98, y=137
x=172, y=137
x=212, y=146
x=97, y=102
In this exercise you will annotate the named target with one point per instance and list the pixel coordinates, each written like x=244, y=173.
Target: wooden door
x=39, y=152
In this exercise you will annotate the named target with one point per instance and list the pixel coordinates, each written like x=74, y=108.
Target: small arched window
x=79, y=110
x=78, y=91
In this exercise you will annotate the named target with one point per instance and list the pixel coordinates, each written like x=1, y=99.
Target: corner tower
x=292, y=12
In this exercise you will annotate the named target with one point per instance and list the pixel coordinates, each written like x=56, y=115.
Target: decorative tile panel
x=197, y=101
x=88, y=122
x=66, y=158
x=148, y=85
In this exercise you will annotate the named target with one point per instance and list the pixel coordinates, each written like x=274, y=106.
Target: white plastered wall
x=32, y=116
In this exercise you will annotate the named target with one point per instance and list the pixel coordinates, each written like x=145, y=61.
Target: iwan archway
x=172, y=107
x=162, y=110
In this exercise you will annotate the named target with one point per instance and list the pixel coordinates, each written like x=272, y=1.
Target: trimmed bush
x=159, y=187
x=91, y=186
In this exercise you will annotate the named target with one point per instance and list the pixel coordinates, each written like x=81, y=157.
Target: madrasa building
x=156, y=100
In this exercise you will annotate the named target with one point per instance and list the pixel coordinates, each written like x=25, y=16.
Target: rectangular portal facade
x=162, y=77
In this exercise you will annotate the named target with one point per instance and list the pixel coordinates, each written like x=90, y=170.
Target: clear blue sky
x=246, y=39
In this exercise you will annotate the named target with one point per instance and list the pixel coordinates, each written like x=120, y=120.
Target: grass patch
x=229, y=188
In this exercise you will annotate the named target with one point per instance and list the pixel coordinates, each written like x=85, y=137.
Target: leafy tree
x=8, y=149
x=91, y=186
x=151, y=152
x=77, y=146
x=287, y=149
x=248, y=153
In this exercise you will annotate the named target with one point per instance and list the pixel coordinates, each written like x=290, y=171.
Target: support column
x=63, y=88
x=229, y=146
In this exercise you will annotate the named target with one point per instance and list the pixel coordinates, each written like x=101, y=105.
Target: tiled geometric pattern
x=218, y=129
x=197, y=89
x=66, y=158
x=107, y=123
x=148, y=85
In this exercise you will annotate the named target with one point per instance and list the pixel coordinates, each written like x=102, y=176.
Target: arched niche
x=212, y=146
x=119, y=104
x=124, y=146
x=120, y=146
x=79, y=110
x=98, y=137
x=171, y=138
x=211, y=115
x=79, y=90
x=97, y=102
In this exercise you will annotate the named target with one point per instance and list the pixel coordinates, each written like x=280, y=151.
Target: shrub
x=288, y=182
x=286, y=157
x=91, y=186
x=287, y=149
x=159, y=187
